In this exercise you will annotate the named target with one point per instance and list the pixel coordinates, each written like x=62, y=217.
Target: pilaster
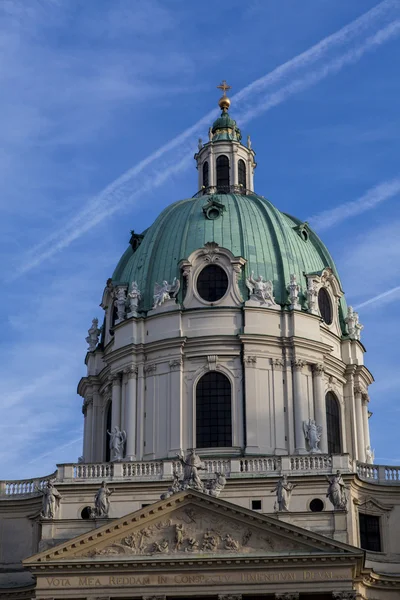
x=365, y=401
x=319, y=404
x=358, y=391
x=279, y=407
x=175, y=407
x=116, y=400
x=300, y=406
x=130, y=412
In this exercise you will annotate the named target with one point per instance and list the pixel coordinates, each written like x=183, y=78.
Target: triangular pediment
x=192, y=525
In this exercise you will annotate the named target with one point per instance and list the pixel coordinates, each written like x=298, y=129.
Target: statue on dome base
x=294, y=290
x=312, y=296
x=354, y=327
x=94, y=334
x=261, y=290
x=51, y=500
x=120, y=303
x=134, y=297
x=312, y=433
x=337, y=491
x=101, y=501
x=117, y=443
x=369, y=455
x=283, y=490
x=165, y=291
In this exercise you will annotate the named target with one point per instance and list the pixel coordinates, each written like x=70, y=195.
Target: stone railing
x=24, y=487
x=378, y=473
x=234, y=468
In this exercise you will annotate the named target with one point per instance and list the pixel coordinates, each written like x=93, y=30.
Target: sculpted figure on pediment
x=215, y=486
x=210, y=541
x=230, y=543
x=51, y=500
x=192, y=545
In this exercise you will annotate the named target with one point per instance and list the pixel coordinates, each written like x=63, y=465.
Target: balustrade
x=311, y=462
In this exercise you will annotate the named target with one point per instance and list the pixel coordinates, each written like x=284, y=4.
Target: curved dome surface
x=249, y=226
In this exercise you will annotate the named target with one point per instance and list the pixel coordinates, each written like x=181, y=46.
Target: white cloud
x=371, y=199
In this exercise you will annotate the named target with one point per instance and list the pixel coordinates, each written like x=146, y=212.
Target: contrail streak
x=373, y=197
x=127, y=187
x=379, y=297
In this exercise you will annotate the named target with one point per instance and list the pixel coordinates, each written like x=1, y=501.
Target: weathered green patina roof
x=225, y=128
x=249, y=226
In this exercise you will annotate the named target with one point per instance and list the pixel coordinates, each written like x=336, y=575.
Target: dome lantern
x=225, y=164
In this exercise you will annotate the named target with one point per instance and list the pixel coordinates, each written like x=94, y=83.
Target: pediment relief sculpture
x=191, y=530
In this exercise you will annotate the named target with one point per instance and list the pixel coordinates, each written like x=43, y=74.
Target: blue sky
x=93, y=98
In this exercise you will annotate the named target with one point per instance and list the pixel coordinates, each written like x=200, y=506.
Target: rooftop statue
x=337, y=491
x=117, y=443
x=294, y=290
x=165, y=291
x=354, y=327
x=101, y=501
x=312, y=433
x=94, y=334
x=51, y=500
x=283, y=492
x=261, y=290
x=120, y=303
x=134, y=297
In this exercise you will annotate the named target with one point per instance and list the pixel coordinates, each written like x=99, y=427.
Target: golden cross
x=224, y=86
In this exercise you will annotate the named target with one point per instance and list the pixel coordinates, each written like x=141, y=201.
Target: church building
x=226, y=453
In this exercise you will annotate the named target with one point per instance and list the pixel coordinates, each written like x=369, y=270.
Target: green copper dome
x=274, y=244
x=225, y=126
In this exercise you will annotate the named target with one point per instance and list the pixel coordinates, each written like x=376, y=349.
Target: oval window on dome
x=212, y=283
x=325, y=306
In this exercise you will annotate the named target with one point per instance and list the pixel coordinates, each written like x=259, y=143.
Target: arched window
x=325, y=306
x=213, y=411
x=223, y=172
x=205, y=174
x=108, y=428
x=242, y=173
x=333, y=424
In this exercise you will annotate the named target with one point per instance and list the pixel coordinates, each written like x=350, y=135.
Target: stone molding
x=155, y=597
x=229, y=596
x=344, y=595
x=251, y=361
x=288, y=596
x=277, y=363
x=212, y=360
x=358, y=390
x=148, y=369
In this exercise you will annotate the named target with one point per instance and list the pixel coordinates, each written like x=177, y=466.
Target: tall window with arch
x=205, y=175
x=333, y=423
x=242, y=174
x=108, y=428
x=223, y=172
x=213, y=411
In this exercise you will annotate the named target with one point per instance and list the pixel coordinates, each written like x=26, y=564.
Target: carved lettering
x=58, y=582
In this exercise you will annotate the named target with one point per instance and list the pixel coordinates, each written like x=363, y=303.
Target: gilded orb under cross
x=224, y=101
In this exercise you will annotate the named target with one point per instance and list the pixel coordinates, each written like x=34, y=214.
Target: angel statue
x=94, y=334
x=165, y=291
x=294, y=290
x=354, y=327
x=117, y=443
x=312, y=433
x=261, y=290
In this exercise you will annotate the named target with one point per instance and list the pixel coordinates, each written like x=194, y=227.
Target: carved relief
x=298, y=364
x=251, y=361
x=212, y=362
x=192, y=530
x=148, y=369
x=175, y=364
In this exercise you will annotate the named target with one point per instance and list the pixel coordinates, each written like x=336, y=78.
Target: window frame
x=326, y=303
x=206, y=174
x=241, y=167
x=338, y=442
x=209, y=267
x=214, y=411
x=364, y=516
x=223, y=183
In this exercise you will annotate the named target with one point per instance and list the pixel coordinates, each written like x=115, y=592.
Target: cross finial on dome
x=224, y=101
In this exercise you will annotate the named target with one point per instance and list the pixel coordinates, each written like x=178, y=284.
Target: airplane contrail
x=373, y=197
x=127, y=187
x=378, y=297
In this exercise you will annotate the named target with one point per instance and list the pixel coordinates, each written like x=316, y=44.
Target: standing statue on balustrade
x=283, y=490
x=94, y=334
x=51, y=500
x=192, y=464
x=101, y=501
x=117, y=443
x=312, y=433
x=337, y=491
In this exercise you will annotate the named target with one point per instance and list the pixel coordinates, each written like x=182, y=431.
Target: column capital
x=287, y=596
x=251, y=361
x=115, y=379
x=131, y=372
x=298, y=364
x=344, y=595
x=318, y=368
x=358, y=390
x=277, y=363
x=148, y=369
x=229, y=596
x=364, y=397
x=175, y=364
x=155, y=597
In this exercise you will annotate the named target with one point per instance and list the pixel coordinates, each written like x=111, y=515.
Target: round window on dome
x=325, y=306
x=212, y=283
